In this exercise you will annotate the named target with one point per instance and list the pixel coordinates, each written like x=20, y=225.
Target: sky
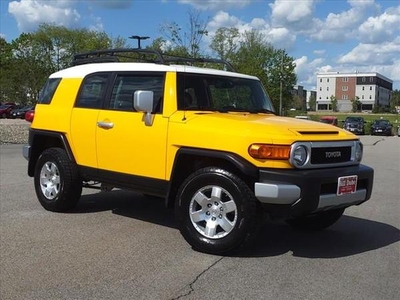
x=321, y=35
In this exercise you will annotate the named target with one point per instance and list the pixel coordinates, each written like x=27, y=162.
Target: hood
x=263, y=127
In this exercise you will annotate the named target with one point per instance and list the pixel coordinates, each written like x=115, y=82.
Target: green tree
x=185, y=42
x=356, y=104
x=255, y=56
x=334, y=104
x=312, y=103
x=225, y=42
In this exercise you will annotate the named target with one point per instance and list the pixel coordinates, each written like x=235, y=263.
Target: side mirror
x=143, y=101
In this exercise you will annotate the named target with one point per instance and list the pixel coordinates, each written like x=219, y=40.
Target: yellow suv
x=206, y=140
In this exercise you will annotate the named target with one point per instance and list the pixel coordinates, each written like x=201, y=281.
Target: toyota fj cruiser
x=206, y=140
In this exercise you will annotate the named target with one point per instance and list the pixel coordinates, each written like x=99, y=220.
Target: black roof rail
x=143, y=55
x=114, y=55
x=178, y=59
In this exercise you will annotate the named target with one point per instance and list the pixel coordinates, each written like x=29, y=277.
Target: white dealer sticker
x=347, y=185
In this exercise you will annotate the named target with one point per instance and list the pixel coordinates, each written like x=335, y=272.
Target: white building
x=371, y=89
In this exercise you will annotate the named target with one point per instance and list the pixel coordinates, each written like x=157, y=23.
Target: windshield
x=220, y=93
x=354, y=119
x=381, y=122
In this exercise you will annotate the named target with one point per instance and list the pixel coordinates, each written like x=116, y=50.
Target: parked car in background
x=354, y=125
x=5, y=110
x=329, y=120
x=20, y=112
x=381, y=127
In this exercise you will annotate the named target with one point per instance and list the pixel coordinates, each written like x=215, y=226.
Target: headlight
x=299, y=156
x=359, y=151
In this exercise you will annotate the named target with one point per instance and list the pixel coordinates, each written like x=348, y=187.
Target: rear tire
x=58, y=185
x=216, y=211
x=316, y=221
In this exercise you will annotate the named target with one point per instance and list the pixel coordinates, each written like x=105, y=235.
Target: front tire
x=57, y=182
x=216, y=211
x=317, y=221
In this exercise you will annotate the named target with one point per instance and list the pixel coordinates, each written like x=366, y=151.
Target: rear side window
x=92, y=91
x=48, y=90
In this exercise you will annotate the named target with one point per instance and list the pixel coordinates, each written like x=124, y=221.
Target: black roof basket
x=115, y=55
x=141, y=55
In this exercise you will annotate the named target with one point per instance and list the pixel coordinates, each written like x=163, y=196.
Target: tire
x=216, y=211
x=58, y=185
x=316, y=221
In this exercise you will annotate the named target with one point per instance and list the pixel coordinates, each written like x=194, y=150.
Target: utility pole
x=139, y=38
x=281, y=87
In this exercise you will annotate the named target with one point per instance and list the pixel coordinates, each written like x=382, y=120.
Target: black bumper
x=316, y=185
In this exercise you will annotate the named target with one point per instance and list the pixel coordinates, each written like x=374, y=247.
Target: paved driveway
x=121, y=245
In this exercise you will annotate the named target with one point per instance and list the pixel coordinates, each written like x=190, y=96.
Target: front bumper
x=299, y=192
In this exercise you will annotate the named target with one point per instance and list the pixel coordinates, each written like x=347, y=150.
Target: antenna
x=139, y=38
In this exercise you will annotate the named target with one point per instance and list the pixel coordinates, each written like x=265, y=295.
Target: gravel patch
x=14, y=131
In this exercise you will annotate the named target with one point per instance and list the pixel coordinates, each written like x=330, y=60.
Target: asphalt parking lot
x=122, y=245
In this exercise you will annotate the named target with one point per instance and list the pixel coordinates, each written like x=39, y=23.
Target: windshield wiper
x=262, y=110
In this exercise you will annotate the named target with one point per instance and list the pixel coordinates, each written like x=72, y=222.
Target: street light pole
x=139, y=38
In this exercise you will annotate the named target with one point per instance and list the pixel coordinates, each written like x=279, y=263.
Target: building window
x=371, y=79
x=345, y=97
x=370, y=88
x=345, y=79
x=363, y=79
x=345, y=88
x=362, y=97
x=320, y=89
x=327, y=88
x=320, y=98
x=320, y=80
x=370, y=97
x=327, y=80
x=363, y=88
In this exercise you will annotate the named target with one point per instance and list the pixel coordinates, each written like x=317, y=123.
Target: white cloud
x=343, y=26
x=278, y=37
x=373, y=54
x=295, y=15
x=381, y=28
x=30, y=13
x=319, y=52
x=305, y=71
x=3, y=36
x=216, y=4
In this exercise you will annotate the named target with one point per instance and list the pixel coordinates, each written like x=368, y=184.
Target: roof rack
x=115, y=55
x=169, y=59
x=141, y=55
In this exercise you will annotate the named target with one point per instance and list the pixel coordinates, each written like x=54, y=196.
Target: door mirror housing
x=143, y=101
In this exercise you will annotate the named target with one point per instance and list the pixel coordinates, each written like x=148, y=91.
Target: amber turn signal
x=269, y=151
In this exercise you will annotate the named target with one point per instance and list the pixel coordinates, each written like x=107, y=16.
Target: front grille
x=330, y=155
x=327, y=154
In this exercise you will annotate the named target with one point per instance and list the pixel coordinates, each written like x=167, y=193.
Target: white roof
x=81, y=71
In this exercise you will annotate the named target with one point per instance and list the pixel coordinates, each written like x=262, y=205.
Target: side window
x=126, y=84
x=48, y=90
x=92, y=91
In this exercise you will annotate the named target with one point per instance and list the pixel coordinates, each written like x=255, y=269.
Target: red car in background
x=329, y=120
x=6, y=109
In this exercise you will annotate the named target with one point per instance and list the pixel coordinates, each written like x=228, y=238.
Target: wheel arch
x=188, y=160
x=40, y=140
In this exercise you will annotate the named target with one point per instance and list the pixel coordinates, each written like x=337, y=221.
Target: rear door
x=84, y=118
